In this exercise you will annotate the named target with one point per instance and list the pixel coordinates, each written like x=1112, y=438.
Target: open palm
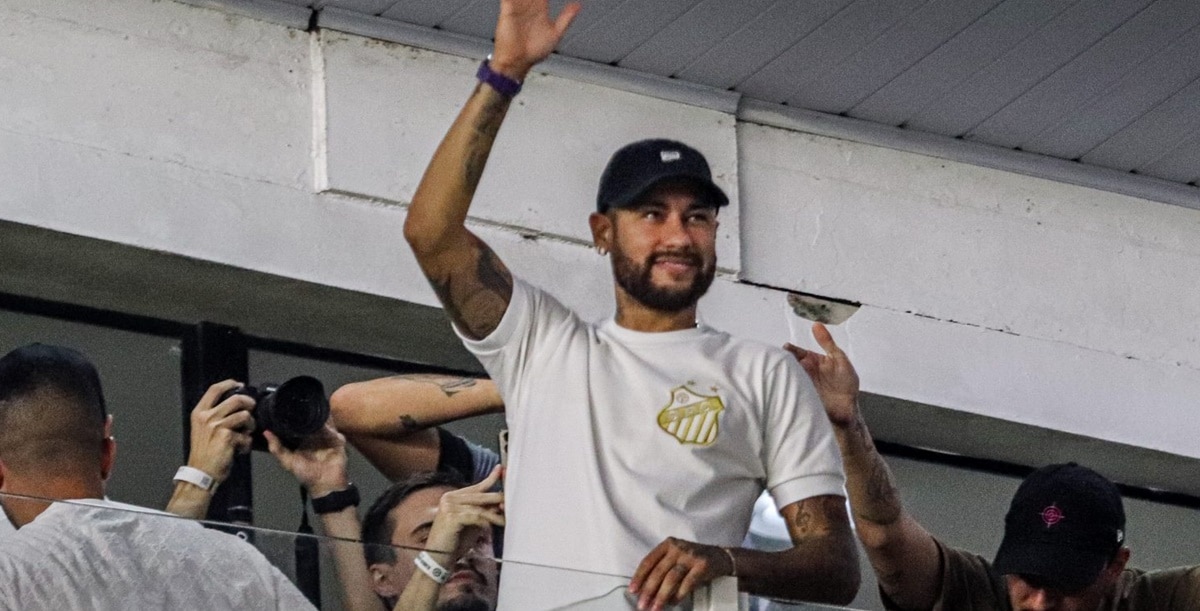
x=526, y=34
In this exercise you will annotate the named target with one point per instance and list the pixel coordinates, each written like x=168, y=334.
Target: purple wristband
x=503, y=85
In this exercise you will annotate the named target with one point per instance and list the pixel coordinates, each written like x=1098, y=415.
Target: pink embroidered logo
x=1052, y=515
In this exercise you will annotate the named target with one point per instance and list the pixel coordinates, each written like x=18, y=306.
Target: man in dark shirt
x=1064, y=534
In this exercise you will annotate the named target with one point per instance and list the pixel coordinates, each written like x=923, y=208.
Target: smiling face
x=473, y=580
x=663, y=246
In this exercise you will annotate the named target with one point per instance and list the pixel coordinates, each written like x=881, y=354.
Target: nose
x=675, y=232
x=1040, y=600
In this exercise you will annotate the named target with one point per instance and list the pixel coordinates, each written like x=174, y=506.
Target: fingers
x=825, y=339
x=565, y=18
x=488, y=482
x=637, y=583
x=671, y=590
x=242, y=421
x=215, y=391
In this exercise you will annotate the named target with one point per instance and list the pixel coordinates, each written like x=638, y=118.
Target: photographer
x=76, y=549
x=396, y=526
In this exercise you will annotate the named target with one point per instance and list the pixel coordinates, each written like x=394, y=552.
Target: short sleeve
x=470, y=460
x=800, y=451
x=533, y=320
x=968, y=584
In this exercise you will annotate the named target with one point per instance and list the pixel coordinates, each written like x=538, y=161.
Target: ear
x=381, y=582
x=602, y=228
x=1119, y=561
x=108, y=451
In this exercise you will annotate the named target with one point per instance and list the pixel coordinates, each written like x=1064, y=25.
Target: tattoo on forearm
x=885, y=507
x=486, y=126
x=408, y=424
x=450, y=385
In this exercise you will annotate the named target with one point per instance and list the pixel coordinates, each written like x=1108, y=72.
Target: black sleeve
x=454, y=455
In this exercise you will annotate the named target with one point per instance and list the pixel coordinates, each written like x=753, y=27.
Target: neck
x=22, y=511
x=632, y=315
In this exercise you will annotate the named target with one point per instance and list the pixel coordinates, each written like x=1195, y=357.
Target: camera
x=292, y=410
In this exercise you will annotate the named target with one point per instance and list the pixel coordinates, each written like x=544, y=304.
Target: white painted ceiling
x=1108, y=83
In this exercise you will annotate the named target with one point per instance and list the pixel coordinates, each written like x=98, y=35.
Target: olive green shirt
x=969, y=583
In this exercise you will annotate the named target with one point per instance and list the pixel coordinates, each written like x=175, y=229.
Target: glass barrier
x=99, y=554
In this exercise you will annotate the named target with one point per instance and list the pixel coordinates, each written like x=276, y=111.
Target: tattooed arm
x=470, y=280
x=903, y=554
x=821, y=567
x=391, y=420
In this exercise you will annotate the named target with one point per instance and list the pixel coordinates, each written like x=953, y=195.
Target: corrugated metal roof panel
x=757, y=43
x=857, y=25
x=964, y=54
x=841, y=87
x=1087, y=76
x=1153, y=81
x=1035, y=58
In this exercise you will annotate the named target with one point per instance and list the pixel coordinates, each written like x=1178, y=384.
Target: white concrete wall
x=182, y=129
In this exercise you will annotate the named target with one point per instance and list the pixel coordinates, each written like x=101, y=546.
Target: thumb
x=274, y=445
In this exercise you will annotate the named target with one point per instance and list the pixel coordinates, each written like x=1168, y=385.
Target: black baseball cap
x=1065, y=524
x=638, y=167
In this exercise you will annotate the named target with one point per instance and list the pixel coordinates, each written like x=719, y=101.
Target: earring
x=602, y=251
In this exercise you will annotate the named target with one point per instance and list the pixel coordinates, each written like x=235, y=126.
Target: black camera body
x=292, y=410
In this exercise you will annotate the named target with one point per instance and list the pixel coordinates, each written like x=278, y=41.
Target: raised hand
x=526, y=34
x=832, y=374
x=220, y=429
x=674, y=569
x=319, y=464
x=474, y=509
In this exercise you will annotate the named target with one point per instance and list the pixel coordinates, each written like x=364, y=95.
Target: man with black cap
x=1064, y=534
x=646, y=426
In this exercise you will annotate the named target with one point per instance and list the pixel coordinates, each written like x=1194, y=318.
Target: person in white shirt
x=73, y=549
x=647, y=426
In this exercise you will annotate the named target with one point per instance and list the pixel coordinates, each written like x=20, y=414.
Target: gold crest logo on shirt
x=691, y=417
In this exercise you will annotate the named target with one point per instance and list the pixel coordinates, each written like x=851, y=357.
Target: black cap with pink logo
x=1065, y=524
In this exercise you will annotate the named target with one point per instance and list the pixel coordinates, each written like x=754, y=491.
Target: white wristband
x=195, y=477
x=430, y=567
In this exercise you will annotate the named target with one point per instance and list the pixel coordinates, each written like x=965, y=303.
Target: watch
x=337, y=500
x=503, y=84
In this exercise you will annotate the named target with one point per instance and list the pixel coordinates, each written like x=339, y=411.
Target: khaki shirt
x=969, y=583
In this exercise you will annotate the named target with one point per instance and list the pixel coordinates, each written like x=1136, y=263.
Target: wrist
x=320, y=489
x=200, y=479
x=516, y=71
x=335, y=501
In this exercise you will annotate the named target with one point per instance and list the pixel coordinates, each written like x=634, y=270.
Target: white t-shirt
x=95, y=554
x=6, y=527
x=619, y=439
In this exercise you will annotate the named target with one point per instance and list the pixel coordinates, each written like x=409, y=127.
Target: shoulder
x=746, y=350
x=1170, y=589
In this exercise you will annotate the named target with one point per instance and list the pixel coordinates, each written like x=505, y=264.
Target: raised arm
x=903, y=554
x=219, y=430
x=390, y=420
x=459, y=538
x=319, y=464
x=470, y=280
x=822, y=566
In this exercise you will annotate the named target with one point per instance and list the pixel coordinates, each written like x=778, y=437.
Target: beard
x=637, y=281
